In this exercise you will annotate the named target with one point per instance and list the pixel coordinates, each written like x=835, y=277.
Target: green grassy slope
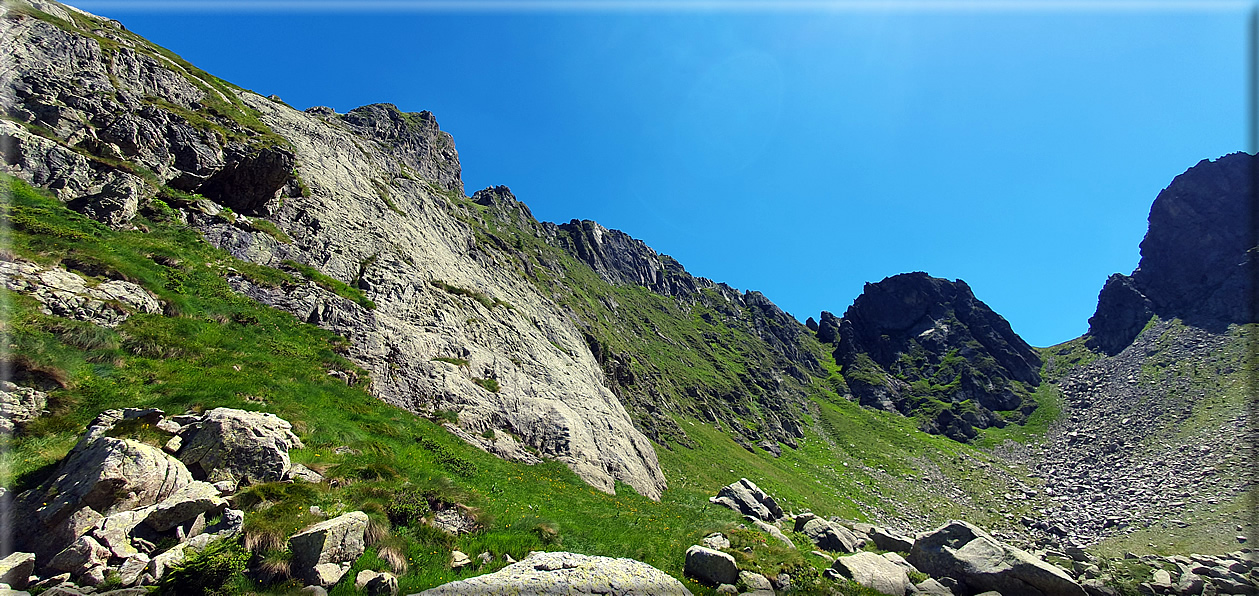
x=213, y=348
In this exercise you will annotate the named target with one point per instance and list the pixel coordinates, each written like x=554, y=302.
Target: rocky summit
x=257, y=349
x=926, y=346
x=1197, y=260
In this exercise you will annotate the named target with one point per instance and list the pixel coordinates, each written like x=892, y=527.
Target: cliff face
x=926, y=346
x=1198, y=258
x=372, y=199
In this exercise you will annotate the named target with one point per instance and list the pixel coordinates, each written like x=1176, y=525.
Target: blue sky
x=801, y=152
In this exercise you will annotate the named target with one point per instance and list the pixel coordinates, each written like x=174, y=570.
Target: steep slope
x=1156, y=444
x=109, y=121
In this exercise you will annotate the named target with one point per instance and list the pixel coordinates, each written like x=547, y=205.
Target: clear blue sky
x=799, y=153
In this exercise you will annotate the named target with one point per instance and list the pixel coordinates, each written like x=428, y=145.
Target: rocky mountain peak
x=927, y=347
x=412, y=136
x=1197, y=258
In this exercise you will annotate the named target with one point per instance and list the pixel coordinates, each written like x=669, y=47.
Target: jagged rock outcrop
x=116, y=506
x=70, y=295
x=1198, y=257
x=914, y=343
x=414, y=138
x=546, y=573
x=747, y=498
x=77, y=108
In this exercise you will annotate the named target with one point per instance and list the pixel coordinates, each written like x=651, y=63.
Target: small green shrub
x=454, y=361
x=490, y=385
x=206, y=572
x=450, y=416
x=407, y=507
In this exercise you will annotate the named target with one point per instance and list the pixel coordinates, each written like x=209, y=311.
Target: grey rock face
x=710, y=566
x=69, y=295
x=747, y=498
x=370, y=222
x=333, y=544
x=968, y=554
x=64, y=82
x=556, y=573
x=874, y=571
x=226, y=444
x=19, y=405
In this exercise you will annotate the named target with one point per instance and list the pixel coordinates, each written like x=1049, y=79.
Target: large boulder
x=557, y=573
x=825, y=535
x=109, y=475
x=323, y=552
x=16, y=569
x=874, y=571
x=710, y=566
x=226, y=444
x=747, y=498
x=978, y=561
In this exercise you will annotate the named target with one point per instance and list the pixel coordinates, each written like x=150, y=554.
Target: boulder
x=774, y=532
x=81, y=556
x=305, y=474
x=195, y=498
x=226, y=444
x=336, y=542
x=979, y=562
x=567, y=573
x=16, y=569
x=715, y=541
x=756, y=584
x=747, y=498
x=874, y=571
x=108, y=475
x=459, y=560
x=931, y=587
x=132, y=568
x=827, y=536
x=710, y=566
x=114, y=532
x=885, y=539
x=384, y=584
